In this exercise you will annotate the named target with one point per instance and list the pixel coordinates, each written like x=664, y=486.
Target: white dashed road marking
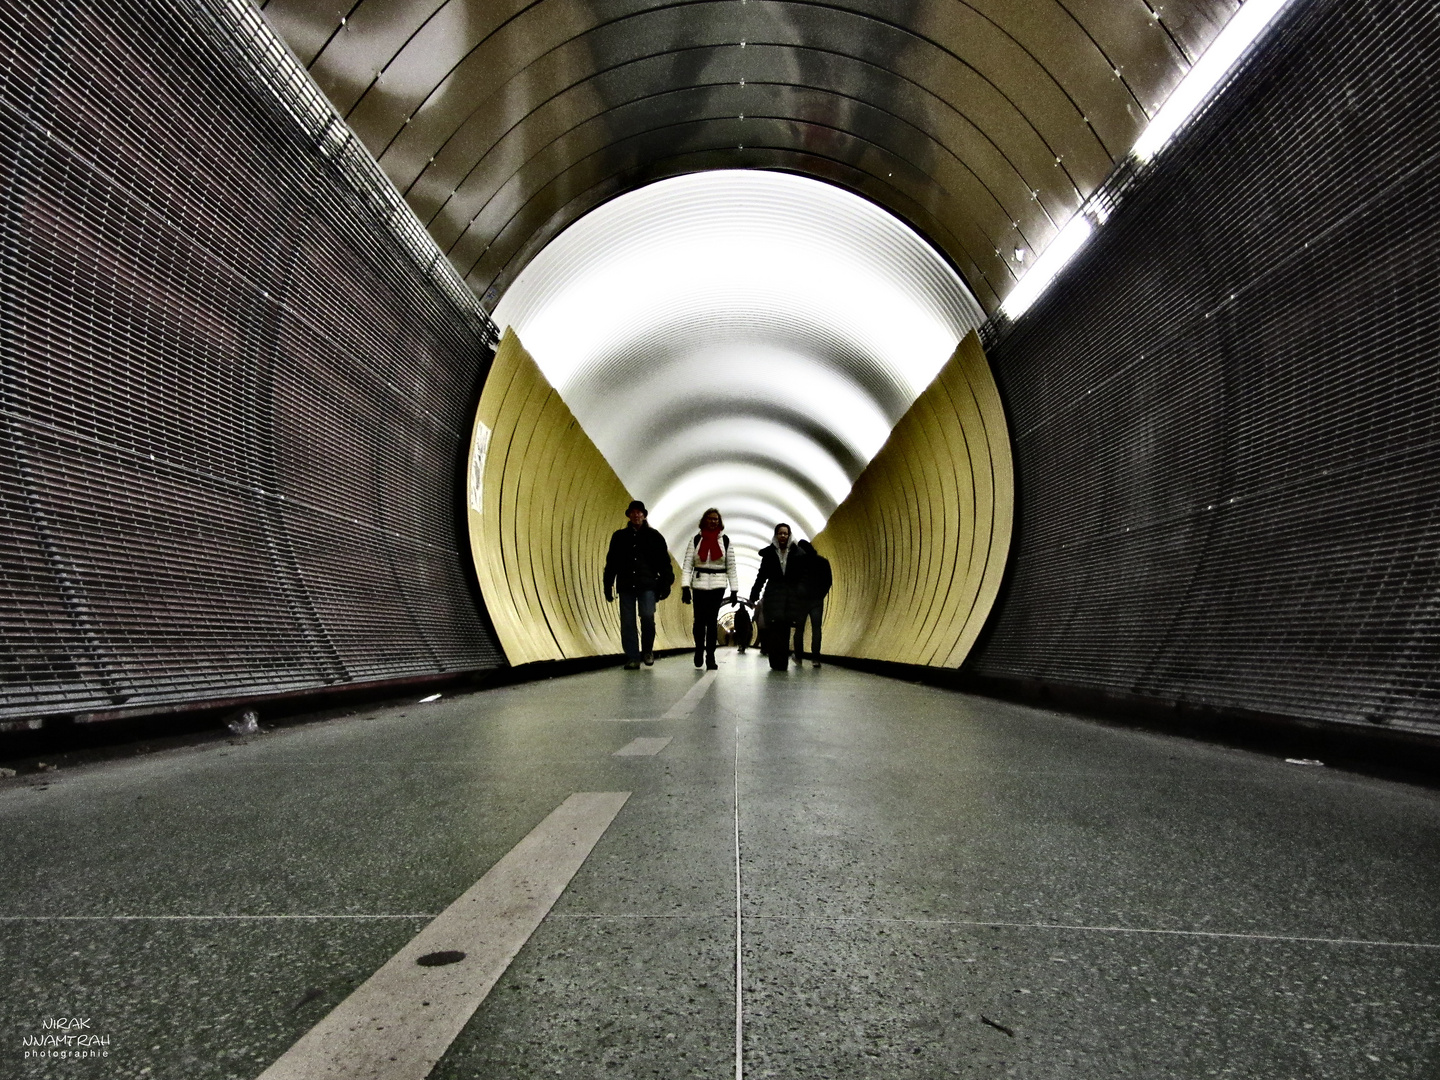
x=643, y=747
x=400, y=1022
x=686, y=705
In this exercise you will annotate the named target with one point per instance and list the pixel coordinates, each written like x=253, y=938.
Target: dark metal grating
x=1226, y=415
x=236, y=376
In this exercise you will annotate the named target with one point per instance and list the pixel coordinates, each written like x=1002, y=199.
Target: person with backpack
x=818, y=580
x=706, y=571
x=638, y=561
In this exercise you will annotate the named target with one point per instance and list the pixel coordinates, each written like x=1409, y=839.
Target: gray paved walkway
x=931, y=885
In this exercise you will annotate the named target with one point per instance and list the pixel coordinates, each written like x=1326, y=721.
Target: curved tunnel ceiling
x=984, y=124
x=981, y=124
x=738, y=338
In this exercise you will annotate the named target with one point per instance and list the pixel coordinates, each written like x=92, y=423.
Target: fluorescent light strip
x=1052, y=260
x=1209, y=71
x=1244, y=27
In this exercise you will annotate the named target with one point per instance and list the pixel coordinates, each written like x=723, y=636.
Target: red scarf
x=710, y=549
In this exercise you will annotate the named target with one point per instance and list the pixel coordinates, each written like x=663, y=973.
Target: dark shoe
x=814, y=663
x=710, y=664
x=699, y=657
x=632, y=665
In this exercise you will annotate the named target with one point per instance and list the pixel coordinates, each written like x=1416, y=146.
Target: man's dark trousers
x=644, y=601
x=815, y=616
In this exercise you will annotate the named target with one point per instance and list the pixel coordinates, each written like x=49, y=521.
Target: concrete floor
x=1114, y=903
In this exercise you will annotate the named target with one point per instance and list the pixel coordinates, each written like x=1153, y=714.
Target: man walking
x=818, y=580
x=638, y=563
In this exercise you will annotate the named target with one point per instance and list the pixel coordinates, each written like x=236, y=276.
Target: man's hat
x=637, y=505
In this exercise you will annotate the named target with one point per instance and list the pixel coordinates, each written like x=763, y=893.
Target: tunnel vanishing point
x=1095, y=342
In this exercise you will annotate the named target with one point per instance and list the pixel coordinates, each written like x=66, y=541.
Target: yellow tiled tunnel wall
x=918, y=547
x=542, y=503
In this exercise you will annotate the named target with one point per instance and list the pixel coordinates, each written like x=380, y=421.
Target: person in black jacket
x=818, y=580
x=638, y=562
x=743, y=630
x=782, y=576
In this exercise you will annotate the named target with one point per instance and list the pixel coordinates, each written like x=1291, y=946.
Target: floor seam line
x=981, y=923
x=573, y=915
x=739, y=926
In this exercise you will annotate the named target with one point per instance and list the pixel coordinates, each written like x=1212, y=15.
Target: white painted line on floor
x=642, y=747
x=627, y=719
x=1296, y=938
x=686, y=705
x=400, y=1022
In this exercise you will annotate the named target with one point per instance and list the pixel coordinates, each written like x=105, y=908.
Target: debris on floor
x=436, y=959
x=997, y=1027
x=309, y=996
x=245, y=723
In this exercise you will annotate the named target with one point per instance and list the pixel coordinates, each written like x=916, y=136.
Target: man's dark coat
x=818, y=577
x=637, y=560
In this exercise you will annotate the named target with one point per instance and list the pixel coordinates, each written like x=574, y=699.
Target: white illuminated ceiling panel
x=740, y=339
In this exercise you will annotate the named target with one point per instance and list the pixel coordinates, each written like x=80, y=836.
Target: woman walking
x=708, y=568
x=782, y=577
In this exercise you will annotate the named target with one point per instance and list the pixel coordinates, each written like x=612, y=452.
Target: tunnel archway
x=749, y=340
x=740, y=337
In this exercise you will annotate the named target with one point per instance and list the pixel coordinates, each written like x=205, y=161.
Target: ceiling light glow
x=1068, y=241
x=1247, y=24
x=739, y=338
x=1244, y=28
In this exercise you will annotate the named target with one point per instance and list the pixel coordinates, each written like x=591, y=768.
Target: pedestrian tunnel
x=256, y=255
x=763, y=343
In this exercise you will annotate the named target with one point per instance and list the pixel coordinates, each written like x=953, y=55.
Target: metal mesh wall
x=236, y=376
x=1226, y=416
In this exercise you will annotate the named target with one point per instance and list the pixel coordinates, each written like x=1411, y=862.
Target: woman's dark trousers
x=777, y=643
x=707, y=616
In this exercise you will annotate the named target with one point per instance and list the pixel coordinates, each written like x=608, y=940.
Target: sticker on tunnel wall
x=476, y=483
